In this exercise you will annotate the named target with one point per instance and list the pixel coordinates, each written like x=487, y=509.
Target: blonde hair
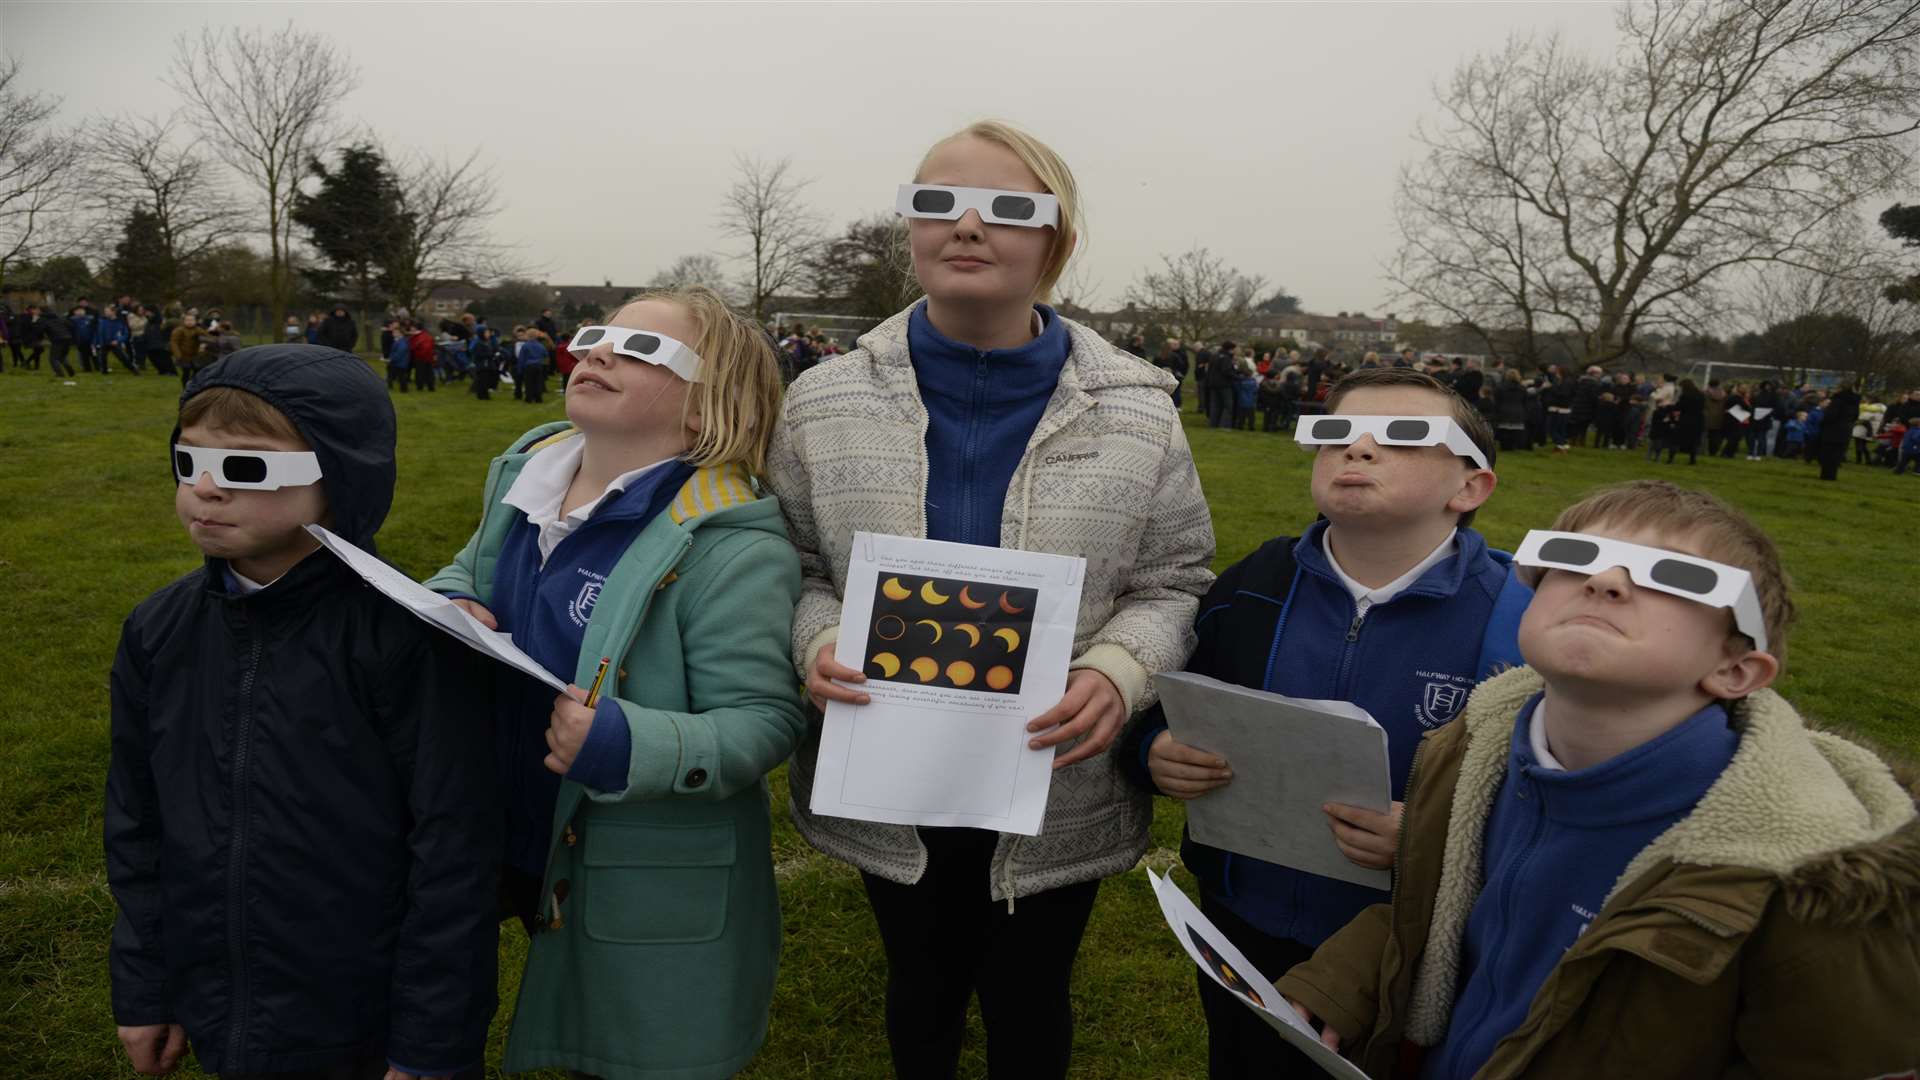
x=739, y=389
x=1054, y=176
x=1717, y=530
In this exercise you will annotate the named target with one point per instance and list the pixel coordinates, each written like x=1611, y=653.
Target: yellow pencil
x=593, y=692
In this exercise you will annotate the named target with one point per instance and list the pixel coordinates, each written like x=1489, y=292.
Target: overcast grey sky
x=1269, y=133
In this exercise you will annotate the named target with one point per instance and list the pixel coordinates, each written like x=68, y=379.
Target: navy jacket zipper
x=237, y=857
x=967, y=458
x=1342, y=687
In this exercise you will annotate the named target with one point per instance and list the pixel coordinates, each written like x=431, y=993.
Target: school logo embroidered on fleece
x=1442, y=698
x=580, y=608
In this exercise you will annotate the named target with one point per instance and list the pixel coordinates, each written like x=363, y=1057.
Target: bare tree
x=40, y=205
x=1608, y=198
x=696, y=269
x=1078, y=287
x=264, y=101
x=1196, y=295
x=1846, y=283
x=764, y=209
x=139, y=163
x=865, y=270
x=444, y=207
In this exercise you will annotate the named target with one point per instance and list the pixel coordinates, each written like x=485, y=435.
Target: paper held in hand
x=961, y=646
x=1289, y=756
x=433, y=608
x=1225, y=965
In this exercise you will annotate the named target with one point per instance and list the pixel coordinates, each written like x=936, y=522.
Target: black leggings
x=116, y=350
x=58, y=359
x=947, y=938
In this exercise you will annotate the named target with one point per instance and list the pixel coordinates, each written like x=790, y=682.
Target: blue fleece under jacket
x=982, y=407
x=1410, y=662
x=1555, y=844
x=546, y=609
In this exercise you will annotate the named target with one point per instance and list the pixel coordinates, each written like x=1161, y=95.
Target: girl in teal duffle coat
x=639, y=855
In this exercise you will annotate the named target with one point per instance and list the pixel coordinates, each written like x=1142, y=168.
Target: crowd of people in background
x=1238, y=386
x=1668, y=415
x=87, y=338
x=800, y=348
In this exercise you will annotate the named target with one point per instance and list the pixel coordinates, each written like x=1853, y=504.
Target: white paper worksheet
x=1289, y=756
x=1225, y=965
x=433, y=608
x=962, y=646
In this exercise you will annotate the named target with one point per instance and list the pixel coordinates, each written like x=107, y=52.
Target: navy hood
x=339, y=406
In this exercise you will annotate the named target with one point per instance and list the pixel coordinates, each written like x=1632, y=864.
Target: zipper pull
x=1353, y=631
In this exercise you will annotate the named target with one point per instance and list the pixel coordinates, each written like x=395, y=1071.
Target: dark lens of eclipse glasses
x=587, y=337
x=1332, y=428
x=1565, y=552
x=1408, y=430
x=183, y=466
x=1013, y=207
x=644, y=344
x=1685, y=576
x=929, y=201
x=244, y=469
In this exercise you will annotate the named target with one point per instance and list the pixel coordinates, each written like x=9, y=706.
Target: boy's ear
x=1741, y=672
x=1475, y=490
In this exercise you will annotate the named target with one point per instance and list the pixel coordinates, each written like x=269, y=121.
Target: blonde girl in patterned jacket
x=980, y=415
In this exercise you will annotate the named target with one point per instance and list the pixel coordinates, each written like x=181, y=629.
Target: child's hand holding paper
x=1367, y=837
x=1185, y=772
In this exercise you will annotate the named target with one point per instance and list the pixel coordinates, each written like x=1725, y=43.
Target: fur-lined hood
x=1825, y=816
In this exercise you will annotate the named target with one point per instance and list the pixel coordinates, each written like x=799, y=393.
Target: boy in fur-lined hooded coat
x=1630, y=858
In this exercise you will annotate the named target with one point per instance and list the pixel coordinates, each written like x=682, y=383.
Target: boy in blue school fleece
x=1391, y=603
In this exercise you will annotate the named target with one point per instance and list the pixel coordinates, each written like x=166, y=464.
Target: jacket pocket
x=657, y=884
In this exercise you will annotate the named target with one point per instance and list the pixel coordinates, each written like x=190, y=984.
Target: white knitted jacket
x=1107, y=475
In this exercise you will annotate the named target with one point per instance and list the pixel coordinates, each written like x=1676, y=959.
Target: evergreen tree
x=1903, y=224
x=352, y=221
x=142, y=263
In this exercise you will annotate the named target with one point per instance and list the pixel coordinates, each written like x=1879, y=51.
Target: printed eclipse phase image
x=1225, y=970
x=945, y=632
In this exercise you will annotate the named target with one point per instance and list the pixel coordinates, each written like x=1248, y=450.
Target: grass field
x=87, y=530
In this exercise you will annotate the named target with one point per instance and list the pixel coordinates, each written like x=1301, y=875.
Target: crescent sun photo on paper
x=963, y=635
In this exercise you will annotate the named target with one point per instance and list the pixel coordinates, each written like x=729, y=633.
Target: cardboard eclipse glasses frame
x=246, y=470
x=643, y=345
x=1688, y=577
x=1028, y=209
x=1389, y=431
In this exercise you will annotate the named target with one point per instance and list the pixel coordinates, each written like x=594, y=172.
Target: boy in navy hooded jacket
x=302, y=827
x=1391, y=603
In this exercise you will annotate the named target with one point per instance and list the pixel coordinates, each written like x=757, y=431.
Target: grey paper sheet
x=1289, y=756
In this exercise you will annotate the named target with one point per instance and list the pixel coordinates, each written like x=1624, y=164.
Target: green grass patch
x=87, y=530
